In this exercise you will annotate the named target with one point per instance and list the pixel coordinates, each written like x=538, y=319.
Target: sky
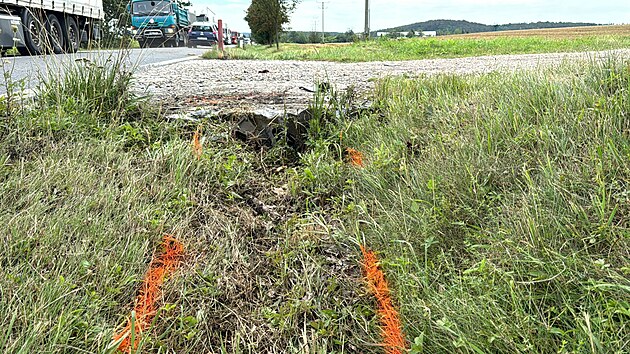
x=342, y=15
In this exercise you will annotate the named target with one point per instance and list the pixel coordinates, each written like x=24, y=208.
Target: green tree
x=314, y=37
x=266, y=19
x=294, y=37
x=411, y=34
x=349, y=36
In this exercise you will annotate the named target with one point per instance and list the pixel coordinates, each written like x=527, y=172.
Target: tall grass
x=499, y=205
x=91, y=179
x=99, y=87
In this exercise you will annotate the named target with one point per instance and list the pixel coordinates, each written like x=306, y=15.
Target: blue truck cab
x=160, y=22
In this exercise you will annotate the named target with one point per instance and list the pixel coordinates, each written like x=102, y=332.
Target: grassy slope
x=497, y=203
x=90, y=182
x=423, y=48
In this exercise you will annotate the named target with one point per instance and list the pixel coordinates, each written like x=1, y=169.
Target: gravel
x=247, y=84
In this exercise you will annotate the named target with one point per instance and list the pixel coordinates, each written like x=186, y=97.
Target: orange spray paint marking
x=146, y=302
x=196, y=144
x=355, y=157
x=391, y=327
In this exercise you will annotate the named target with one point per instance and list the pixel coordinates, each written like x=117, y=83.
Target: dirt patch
x=250, y=84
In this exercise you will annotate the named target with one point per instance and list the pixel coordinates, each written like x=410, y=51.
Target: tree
x=266, y=19
x=116, y=19
x=347, y=37
x=294, y=37
x=411, y=34
x=314, y=37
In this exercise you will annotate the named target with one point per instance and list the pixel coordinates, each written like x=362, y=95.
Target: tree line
x=443, y=27
x=302, y=37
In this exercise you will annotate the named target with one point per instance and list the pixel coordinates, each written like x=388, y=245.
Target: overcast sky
x=341, y=15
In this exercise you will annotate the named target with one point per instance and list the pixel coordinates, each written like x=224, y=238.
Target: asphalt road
x=32, y=70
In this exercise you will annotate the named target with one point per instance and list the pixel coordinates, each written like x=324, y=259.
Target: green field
x=498, y=205
x=427, y=48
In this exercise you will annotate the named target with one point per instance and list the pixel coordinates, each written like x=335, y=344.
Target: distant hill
x=443, y=27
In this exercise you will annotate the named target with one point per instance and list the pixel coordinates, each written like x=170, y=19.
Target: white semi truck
x=48, y=26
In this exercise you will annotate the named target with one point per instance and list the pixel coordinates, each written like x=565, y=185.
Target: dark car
x=202, y=33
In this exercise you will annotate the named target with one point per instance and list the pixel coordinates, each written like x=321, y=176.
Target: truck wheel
x=71, y=35
x=34, y=34
x=55, y=32
x=175, y=42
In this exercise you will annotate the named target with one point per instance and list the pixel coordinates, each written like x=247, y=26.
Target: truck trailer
x=47, y=26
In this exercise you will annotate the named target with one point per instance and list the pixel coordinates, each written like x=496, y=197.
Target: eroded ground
x=249, y=85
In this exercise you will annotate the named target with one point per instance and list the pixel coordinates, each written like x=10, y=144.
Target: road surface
x=33, y=69
x=261, y=84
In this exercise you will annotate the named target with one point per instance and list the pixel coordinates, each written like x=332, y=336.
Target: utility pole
x=323, y=38
x=367, y=19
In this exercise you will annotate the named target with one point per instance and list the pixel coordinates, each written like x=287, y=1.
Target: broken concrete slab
x=268, y=126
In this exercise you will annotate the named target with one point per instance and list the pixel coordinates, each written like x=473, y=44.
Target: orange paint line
x=146, y=302
x=391, y=327
x=196, y=144
x=355, y=157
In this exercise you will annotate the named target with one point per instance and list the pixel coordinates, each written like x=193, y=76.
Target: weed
x=91, y=88
x=12, y=100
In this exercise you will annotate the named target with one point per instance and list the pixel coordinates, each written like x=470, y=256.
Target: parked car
x=202, y=33
x=227, y=36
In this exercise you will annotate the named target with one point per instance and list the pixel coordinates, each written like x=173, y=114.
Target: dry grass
x=567, y=32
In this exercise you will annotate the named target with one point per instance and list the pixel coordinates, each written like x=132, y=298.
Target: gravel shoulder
x=248, y=85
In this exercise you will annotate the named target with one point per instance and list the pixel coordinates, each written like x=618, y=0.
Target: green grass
x=497, y=203
x=499, y=206
x=425, y=48
x=88, y=187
